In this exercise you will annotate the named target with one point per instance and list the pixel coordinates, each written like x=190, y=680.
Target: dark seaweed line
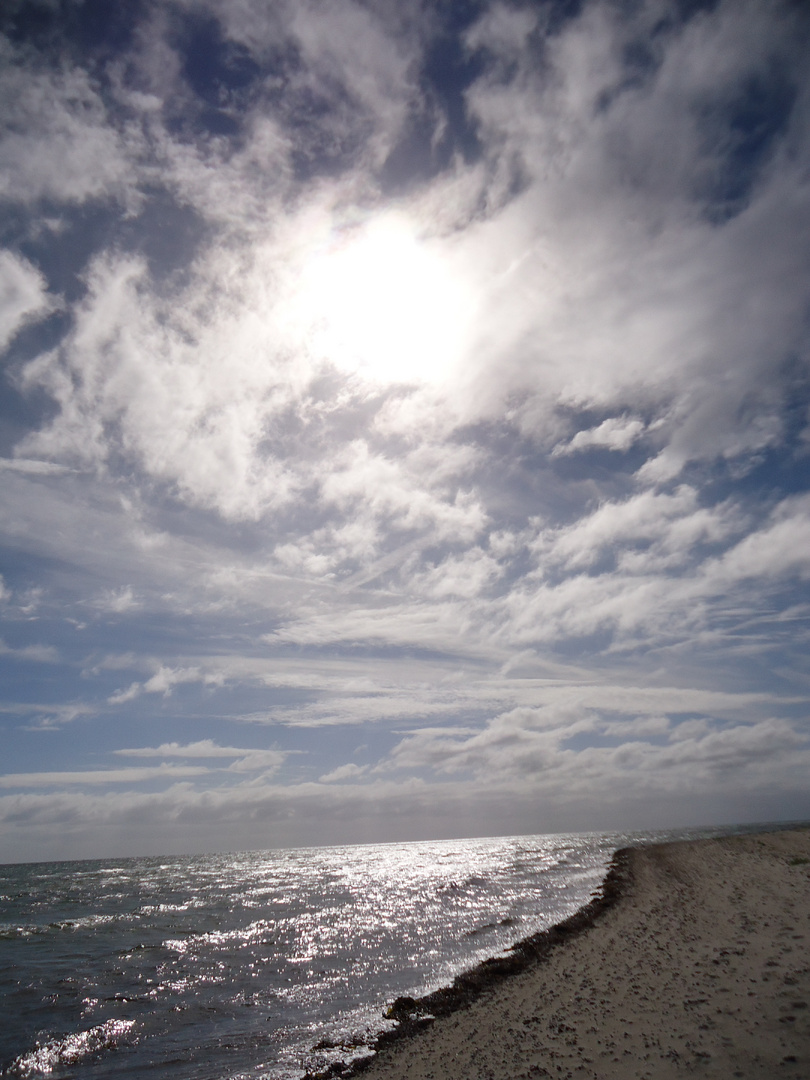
x=415, y=1014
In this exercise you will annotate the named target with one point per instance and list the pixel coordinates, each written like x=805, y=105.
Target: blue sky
x=404, y=427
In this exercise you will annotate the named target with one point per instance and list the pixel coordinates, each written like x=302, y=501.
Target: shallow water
x=236, y=966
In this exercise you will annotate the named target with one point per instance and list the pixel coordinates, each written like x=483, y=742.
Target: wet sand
x=695, y=964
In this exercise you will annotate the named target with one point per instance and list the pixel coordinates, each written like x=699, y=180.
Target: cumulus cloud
x=616, y=433
x=531, y=744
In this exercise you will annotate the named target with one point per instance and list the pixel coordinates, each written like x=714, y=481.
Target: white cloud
x=780, y=549
x=344, y=772
x=191, y=412
x=56, y=136
x=164, y=681
x=99, y=776
x=33, y=468
x=203, y=748
x=23, y=295
x=382, y=705
x=40, y=654
x=674, y=524
x=247, y=760
x=130, y=693
x=649, y=752
x=118, y=601
x=48, y=716
x=615, y=433
x=465, y=576
x=539, y=783
x=371, y=541
x=265, y=761
x=617, y=289
x=331, y=35
x=579, y=293
x=444, y=627
x=502, y=31
x=406, y=491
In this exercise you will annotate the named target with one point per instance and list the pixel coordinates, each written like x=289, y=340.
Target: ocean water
x=261, y=964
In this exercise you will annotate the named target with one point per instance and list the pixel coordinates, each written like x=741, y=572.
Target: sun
x=381, y=302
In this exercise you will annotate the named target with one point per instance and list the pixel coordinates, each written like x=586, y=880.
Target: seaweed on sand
x=415, y=1014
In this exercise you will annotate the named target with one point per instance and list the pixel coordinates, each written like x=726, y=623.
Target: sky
x=404, y=420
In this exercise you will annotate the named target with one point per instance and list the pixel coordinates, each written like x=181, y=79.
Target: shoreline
x=662, y=974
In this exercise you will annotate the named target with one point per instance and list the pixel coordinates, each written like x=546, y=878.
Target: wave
x=71, y=1049
x=10, y=931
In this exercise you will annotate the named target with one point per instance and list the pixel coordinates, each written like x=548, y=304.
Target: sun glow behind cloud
x=440, y=384
x=379, y=301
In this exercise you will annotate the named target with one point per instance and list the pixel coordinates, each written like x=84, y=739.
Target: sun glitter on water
x=384, y=304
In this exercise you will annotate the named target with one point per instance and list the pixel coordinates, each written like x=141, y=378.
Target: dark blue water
x=226, y=966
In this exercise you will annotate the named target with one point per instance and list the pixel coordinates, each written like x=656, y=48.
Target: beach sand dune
x=701, y=969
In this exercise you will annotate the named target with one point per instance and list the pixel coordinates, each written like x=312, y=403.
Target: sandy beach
x=699, y=967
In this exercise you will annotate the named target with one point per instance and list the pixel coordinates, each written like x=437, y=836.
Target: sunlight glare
x=383, y=304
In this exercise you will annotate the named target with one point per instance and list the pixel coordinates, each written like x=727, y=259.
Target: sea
x=266, y=964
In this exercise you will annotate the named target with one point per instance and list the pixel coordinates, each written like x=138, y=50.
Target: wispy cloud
x=98, y=776
x=164, y=681
x=455, y=411
x=39, y=654
x=23, y=295
x=245, y=760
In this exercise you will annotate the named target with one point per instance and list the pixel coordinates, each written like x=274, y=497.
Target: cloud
x=671, y=523
x=455, y=392
x=57, y=139
x=265, y=761
x=381, y=89
x=779, y=549
x=123, y=370
x=463, y=576
x=33, y=468
x=39, y=654
x=343, y=772
x=99, y=776
x=23, y=295
x=164, y=681
x=534, y=775
x=203, y=748
x=616, y=433
x=526, y=743
x=49, y=716
x=117, y=601
x=417, y=490
x=659, y=306
x=640, y=297
x=247, y=760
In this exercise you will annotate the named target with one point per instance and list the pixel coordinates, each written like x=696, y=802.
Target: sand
x=699, y=968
